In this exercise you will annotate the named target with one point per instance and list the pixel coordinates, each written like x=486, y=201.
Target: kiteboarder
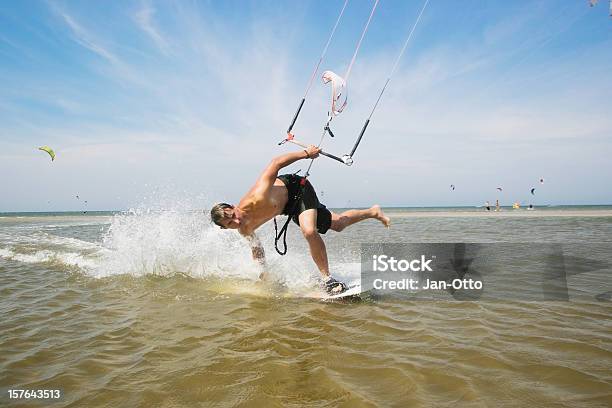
x=294, y=196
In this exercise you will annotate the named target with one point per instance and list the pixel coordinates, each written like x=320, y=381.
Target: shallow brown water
x=182, y=340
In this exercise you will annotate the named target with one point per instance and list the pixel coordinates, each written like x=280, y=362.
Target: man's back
x=260, y=204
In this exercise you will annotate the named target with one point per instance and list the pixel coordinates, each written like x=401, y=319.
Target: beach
x=507, y=212
x=161, y=309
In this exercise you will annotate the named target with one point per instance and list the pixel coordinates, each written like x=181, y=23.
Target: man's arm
x=258, y=253
x=271, y=172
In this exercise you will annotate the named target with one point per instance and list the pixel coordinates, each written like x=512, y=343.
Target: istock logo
x=530, y=271
x=384, y=263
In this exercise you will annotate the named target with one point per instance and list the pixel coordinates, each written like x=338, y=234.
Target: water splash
x=167, y=235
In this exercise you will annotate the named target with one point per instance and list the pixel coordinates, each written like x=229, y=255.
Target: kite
x=541, y=180
x=499, y=188
x=452, y=186
x=48, y=150
x=594, y=2
x=533, y=191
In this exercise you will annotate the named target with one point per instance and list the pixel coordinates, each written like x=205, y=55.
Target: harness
x=291, y=213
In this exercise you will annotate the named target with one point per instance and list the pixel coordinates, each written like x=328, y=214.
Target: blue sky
x=150, y=101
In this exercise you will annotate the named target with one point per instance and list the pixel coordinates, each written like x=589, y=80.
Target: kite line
x=316, y=69
x=339, y=91
x=338, y=103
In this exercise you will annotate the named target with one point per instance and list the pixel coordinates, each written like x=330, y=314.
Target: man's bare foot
x=380, y=216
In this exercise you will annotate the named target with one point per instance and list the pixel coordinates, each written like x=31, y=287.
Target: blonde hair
x=217, y=213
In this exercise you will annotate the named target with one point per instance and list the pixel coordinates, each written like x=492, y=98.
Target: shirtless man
x=273, y=195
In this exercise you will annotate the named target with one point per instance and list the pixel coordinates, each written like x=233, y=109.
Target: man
x=289, y=194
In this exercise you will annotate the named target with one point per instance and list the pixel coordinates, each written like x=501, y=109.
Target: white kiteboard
x=354, y=289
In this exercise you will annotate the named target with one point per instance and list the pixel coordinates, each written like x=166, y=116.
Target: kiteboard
x=354, y=290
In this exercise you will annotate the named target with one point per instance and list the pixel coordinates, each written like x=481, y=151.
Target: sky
x=159, y=102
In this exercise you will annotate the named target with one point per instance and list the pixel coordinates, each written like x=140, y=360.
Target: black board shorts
x=308, y=200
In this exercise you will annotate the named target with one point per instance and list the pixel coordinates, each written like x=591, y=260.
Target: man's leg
x=341, y=221
x=308, y=225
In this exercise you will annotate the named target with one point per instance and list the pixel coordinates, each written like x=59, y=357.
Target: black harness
x=283, y=232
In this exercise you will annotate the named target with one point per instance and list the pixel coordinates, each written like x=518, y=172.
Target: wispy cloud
x=86, y=39
x=144, y=18
x=201, y=93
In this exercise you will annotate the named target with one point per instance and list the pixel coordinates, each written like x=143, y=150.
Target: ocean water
x=162, y=309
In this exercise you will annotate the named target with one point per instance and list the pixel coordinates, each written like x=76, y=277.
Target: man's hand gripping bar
x=346, y=159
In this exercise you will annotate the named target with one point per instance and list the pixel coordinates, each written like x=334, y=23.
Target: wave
x=48, y=256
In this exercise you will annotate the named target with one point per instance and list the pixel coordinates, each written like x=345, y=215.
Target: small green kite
x=48, y=150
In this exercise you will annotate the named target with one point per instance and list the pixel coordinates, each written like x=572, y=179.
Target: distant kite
x=452, y=186
x=594, y=2
x=499, y=189
x=48, y=150
x=77, y=197
x=533, y=191
x=541, y=180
